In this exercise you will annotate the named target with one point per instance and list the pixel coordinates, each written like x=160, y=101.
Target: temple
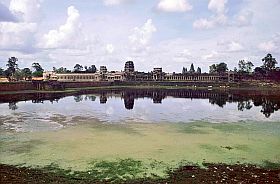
x=129, y=74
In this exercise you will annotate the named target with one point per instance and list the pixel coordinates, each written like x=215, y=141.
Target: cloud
x=17, y=35
x=231, y=46
x=234, y=47
x=110, y=48
x=142, y=36
x=272, y=45
x=6, y=15
x=20, y=35
x=268, y=46
x=174, y=6
x=26, y=10
x=203, y=24
x=212, y=22
x=115, y=2
x=184, y=54
x=219, y=17
x=217, y=6
x=244, y=18
x=67, y=34
x=211, y=56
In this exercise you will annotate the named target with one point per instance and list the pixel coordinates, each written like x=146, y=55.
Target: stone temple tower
x=129, y=67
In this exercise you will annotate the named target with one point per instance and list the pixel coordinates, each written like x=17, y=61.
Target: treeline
x=77, y=69
x=14, y=73
x=244, y=67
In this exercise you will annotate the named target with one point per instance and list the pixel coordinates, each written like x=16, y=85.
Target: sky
x=170, y=34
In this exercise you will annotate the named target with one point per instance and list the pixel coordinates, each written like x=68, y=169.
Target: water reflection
x=13, y=106
x=103, y=98
x=269, y=103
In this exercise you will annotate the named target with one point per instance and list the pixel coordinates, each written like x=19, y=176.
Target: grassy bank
x=76, y=90
x=211, y=173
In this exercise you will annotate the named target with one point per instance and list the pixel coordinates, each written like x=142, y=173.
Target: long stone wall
x=17, y=86
x=55, y=85
x=85, y=84
x=171, y=83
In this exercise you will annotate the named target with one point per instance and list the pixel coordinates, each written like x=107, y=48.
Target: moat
x=152, y=131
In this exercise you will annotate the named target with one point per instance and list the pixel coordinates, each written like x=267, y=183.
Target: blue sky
x=153, y=33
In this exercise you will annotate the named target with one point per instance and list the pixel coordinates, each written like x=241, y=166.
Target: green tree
x=218, y=68
x=38, y=70
x=249, y=66
x=11, y=68
x=91, y=69
x=1, y=71
x=61, y=70
x=269, y=63
x=213, y=68
x=242, y=66
x=222, y=68
x=27, y=73
x=245, y=67
x=78, y=68
x=198, y=70
x=259, y=70
x=37, y=67
x=192, y=68
x=18, y=75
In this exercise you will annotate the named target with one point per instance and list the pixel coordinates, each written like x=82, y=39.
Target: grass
x=156, y=86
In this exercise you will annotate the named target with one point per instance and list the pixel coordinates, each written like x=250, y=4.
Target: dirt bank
x=213, y=173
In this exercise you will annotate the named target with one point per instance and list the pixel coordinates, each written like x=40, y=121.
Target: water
x=166, y=127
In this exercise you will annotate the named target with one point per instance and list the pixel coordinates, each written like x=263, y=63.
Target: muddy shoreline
x=212, y=173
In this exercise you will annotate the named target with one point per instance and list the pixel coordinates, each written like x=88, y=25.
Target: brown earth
x=213, y=173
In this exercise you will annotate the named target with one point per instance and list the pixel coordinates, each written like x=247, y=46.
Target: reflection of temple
x=128, y=100
x=269, y=106
x=245, y=100
x=159, y=95
x=103, y=99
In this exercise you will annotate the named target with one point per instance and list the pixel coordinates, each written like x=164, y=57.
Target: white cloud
x=235, y=47
x=267, y=46
x=105, y=37
x=110, y=48
x=244, y=18
x=115, y=2
x=217, y=6
x=20, y=35
x=203, y=24
x=184, y=54
x=15, y=35
x=211, y=56
x=231, y=46
x=67, y=34
x=212, y=22
x=174, y=6
x=219, y=17
x=142, y=36
x=26, y=10
x=6, y=15
x=272, y=45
